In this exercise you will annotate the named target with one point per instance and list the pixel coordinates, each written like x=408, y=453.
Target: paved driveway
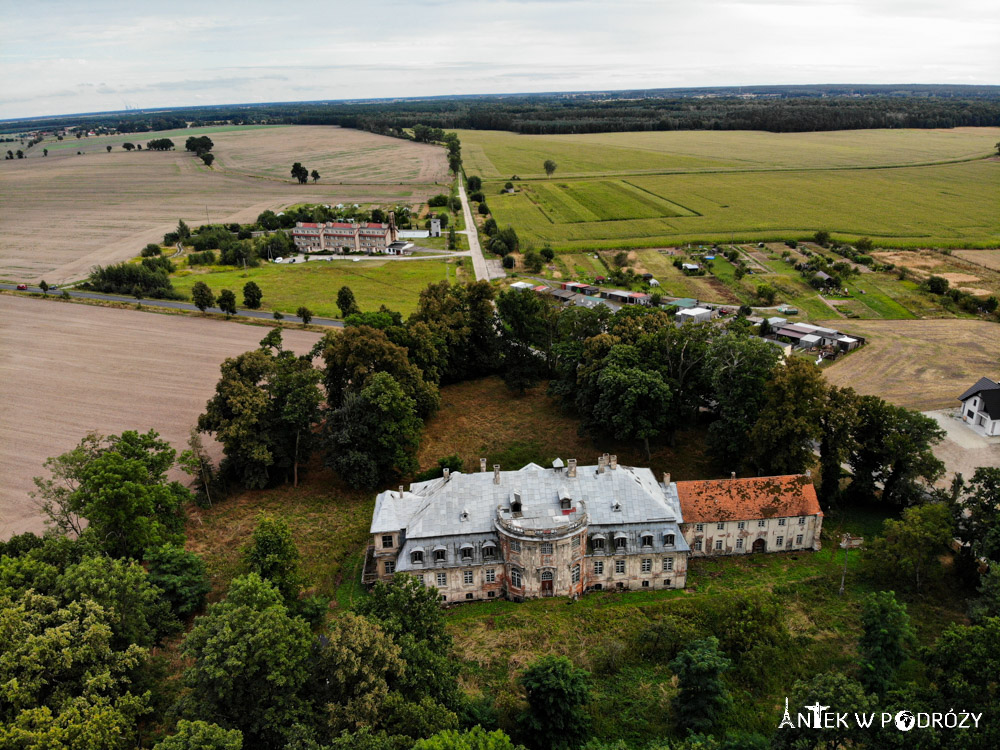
x=962, y=450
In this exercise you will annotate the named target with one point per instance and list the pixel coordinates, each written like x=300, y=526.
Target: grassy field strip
x=396, y=284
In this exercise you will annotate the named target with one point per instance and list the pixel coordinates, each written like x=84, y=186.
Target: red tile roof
x=711, y=500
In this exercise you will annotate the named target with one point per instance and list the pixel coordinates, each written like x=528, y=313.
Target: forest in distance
x=769, y=108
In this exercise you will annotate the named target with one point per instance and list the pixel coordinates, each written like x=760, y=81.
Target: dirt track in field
x=69, y=369
x=62, y=214
x=920, y=364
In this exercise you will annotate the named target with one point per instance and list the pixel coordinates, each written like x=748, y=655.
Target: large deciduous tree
x=739, y=367
x=119, y=485
x=201, y=735
x=252, y=296
x=180, y=576
x=703, y=696
x=227, y=302
x=557, y=692
x=892, y=448
x=202, y=296
x=273, y=556
x=373, y=435
x=882, y=647
x=249, y=663
x=908, y=549
x=263, y=411
x=978, y=514
x=782, y=438
x=300, y=173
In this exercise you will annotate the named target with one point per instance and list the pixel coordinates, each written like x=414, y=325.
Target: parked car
x=22, y=287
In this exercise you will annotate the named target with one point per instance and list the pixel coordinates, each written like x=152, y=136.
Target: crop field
x=501, y=155
x=987, y=258
x=70, y=369
x=920, y=364
x=396, y=284
x=65, y=213
x=961, y=268
x=901, y=188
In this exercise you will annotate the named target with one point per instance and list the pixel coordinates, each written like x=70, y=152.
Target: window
x=699, y=527
x=387, y=541
x=440, y=555
x=718, y=544
x=466, y=553
x=781, y=522
x=489, y=552
x=619, y=566
x=515, y=545
x=645, y=584
x=515, y=578
x=442, y=580
x=668, y=564
x=467, y=577
x=390, y=567
x=469, y=595
x=761, y=523
x=798, y=539
x=697, y=546
x=599, y=568
x=491, y=575
x=564, y=503
x=720, y=525
x=739, y=544
x=598, y=586
x=575, y=542
x=417, y=557
x=647, y=540
x=576, y=574
x=647, y=565
x=420, y=579
x=741, y=525
x=546, y=548
x=547, y=575
x=597, y=543
x=668, y=540
x=779, y=541
x=489, y=594
x=620, y=543
x=802, y=520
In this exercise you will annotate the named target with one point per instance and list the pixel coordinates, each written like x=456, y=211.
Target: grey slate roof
x=983, y=384
x=466, y=504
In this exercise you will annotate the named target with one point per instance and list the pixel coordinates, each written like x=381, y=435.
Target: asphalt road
x=176, y=305
x=478, y=261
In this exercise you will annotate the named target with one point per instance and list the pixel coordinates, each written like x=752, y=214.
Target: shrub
x=483, y=208
x=150, y=250
x=438, y=200
x=508, y=261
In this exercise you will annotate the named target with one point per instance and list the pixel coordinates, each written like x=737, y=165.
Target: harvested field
x=920, y=364
x=71, y=369
x=988, y=258
x=64, y=213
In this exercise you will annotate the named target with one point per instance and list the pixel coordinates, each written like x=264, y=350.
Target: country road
x=177, y=305
x=479, y=263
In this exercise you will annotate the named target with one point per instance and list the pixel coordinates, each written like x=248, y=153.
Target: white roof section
x=810, y=339
x=434, y=509
x=522, y=285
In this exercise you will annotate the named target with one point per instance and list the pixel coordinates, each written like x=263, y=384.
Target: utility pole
x=847, y=542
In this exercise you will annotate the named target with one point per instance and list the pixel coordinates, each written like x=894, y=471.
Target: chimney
x=572, y=468
x=482, y=464
x=666, y=478
x=614, y=462
x=600, y=464
x=400, y=490
x=809, y=473
x=447, y=473
x=496, y=473
x=732, y=475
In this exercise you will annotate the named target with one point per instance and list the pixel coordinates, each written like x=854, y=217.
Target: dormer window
x=417, y=557
x=440, y=555
x=489, y=551
x=565, y=503
x=668, y=540
x=466, y=552
x=515, y=504
x=647, y=540
x=597, y=543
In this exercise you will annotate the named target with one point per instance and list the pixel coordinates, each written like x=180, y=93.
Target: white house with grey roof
x=532, y=532
x=981, y=407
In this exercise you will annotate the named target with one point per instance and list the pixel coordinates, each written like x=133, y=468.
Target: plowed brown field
x=65, y=213
x=920, y=364
x=68, y=369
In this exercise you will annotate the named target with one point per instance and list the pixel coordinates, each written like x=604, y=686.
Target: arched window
x=466, y=552
x=668, y=540
x=546, y=575
x=417, y=557
x=440, y=555
x=489, y=551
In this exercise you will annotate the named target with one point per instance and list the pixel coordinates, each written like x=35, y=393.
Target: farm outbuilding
x=694, y=315
x=521, y=285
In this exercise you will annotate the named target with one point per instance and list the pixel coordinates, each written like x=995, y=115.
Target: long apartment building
x=344, y=237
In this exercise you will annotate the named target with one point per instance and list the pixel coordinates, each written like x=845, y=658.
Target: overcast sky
x=61, y=57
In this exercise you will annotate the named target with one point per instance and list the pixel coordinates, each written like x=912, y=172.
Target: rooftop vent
x=558, y=464
x=465, y=515
x=616, y=506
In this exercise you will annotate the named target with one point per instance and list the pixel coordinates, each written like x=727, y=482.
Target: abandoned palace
x=564, y=530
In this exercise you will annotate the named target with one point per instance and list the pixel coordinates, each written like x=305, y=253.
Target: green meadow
x=396, y=284
x=901, y=188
